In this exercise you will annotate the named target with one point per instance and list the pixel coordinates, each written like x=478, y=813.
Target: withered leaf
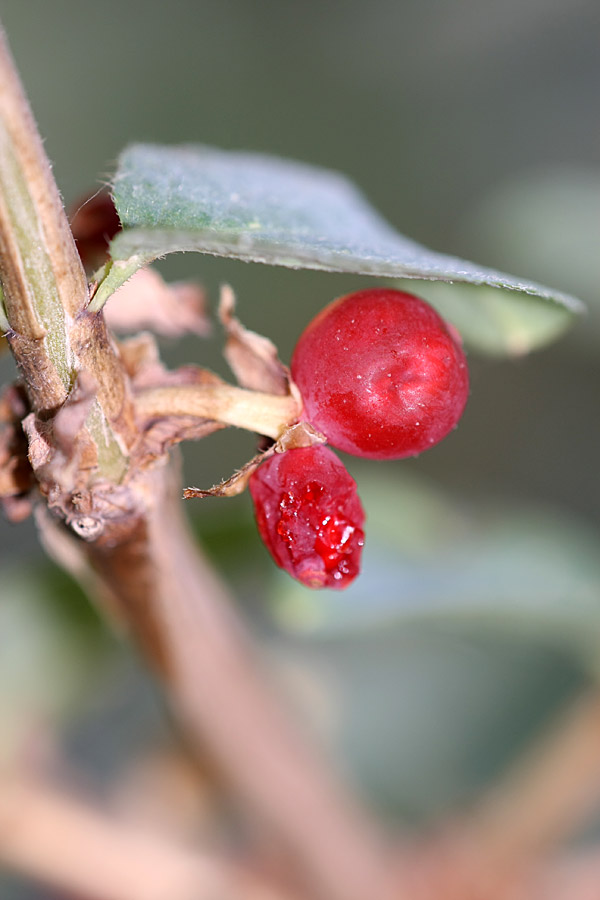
x=147, y=301
x=70, y=419
x=300, y=435
x=253, y=358
x=162, y=434
x=234, y=485
x=16, y=475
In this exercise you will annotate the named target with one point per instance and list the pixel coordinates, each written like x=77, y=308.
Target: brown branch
x=187, y=629
x=548, y=795
x=72, y=846
x=575, y=877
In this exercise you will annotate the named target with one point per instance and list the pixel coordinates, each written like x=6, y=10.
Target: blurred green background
x=473, y=128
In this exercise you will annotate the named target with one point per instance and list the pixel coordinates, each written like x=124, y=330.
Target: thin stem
x=111, y=276
x=74, y=847
x=575, y=877
x=548, y=794
x=267, y=414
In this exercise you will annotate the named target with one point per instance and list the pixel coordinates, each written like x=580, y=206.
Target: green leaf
x=496, y=322
x=545, y=221
x=263, y=209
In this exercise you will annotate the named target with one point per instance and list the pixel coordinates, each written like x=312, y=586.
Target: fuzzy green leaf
x=264, y=209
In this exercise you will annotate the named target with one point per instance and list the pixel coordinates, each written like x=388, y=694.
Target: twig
x=503, y=849
x=549, y=793
x=187, y=629
x=69, y=845
x=576, y=877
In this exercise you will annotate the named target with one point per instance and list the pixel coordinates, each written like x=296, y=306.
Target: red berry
x=381, y=374
x=310, y=516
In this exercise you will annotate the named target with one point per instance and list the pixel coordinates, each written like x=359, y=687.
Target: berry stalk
x=267, y=414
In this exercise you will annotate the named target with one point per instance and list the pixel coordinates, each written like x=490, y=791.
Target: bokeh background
x=473, y=127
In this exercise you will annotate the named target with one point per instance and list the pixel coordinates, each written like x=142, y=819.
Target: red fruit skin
x=381, y=374
x=310, y=516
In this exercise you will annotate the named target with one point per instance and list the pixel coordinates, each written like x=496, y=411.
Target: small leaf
x=263, y=209
x=171, y=310
x=498, y=323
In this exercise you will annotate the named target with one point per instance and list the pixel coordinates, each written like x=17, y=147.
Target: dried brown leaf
x=39, y=436
x=163, y=434
x=17, y=509
x=70, y=419
x=16, y=476
x=13, y=404
x=94, y=222
x=234, y=485
x=139, y=353
x=142, y=362
x=147, y=301
x=253, y=358
x=300, y=435
x=60, y=451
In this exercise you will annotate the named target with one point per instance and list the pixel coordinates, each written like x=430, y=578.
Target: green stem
x=42, y=278
x=44, y=289
x=111, y=276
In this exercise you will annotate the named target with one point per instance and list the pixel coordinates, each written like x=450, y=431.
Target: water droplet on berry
x=310, y=516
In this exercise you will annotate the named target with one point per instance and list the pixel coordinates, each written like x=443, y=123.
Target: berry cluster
x=381, y=376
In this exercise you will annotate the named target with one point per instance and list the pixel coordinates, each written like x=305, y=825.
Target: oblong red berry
x=310, y=516
x=381, y=374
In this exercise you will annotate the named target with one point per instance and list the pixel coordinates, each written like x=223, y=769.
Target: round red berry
x=310, y=516
x=381, y=374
